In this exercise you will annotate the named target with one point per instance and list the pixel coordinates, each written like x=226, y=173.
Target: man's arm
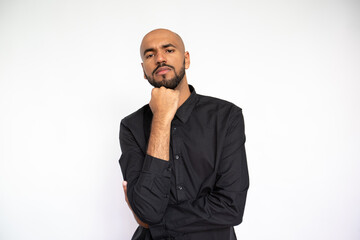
x=164, y=103
x=224, y=205
x=145, y=225
x=148, y=177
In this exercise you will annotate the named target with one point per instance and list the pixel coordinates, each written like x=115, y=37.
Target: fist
x=164, y=103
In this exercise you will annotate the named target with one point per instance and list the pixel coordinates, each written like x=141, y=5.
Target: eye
x=149, y=55
x=170, y=50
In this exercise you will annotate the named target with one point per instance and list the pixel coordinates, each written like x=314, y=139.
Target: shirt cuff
x=156, y=166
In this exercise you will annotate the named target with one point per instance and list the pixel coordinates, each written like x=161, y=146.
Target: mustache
x=162, y=65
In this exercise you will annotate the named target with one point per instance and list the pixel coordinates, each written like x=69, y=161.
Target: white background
x=70, y=71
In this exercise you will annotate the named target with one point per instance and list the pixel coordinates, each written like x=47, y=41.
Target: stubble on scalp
x=179, y=41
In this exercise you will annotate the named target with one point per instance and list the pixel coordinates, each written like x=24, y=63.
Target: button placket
x=177, y=156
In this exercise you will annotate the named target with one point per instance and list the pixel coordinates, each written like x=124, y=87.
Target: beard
x=171, y=83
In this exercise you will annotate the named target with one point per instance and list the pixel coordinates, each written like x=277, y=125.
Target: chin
x=164, y=78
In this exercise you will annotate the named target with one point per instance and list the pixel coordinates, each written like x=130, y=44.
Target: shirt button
x=177, y=156
x=179, y=188
x=174, y=129
x=169, y=169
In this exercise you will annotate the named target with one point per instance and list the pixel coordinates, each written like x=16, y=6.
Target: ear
x=142, y=65
x=187, y=59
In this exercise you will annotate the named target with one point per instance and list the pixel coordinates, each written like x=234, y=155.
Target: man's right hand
x=164, y=103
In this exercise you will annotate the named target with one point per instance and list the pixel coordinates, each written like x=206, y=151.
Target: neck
x=184, y=90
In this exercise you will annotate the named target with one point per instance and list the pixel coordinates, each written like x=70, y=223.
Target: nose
x=160, y=57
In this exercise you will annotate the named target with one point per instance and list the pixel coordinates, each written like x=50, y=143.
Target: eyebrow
x=163, y=46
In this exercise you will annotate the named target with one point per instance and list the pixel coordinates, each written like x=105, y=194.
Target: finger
x=125, y=190
x=125, y=186
x=125, y=193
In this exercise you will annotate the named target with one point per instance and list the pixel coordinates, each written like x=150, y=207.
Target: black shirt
x=200, y=192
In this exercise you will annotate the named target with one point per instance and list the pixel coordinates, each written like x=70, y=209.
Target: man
x=183, y=156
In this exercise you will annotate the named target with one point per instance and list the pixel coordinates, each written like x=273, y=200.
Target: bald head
x=161, y=36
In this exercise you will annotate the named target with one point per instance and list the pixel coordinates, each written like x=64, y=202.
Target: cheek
x=147, y=69
x=178, y=62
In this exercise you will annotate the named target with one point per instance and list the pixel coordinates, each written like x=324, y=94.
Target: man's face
x=164, y=59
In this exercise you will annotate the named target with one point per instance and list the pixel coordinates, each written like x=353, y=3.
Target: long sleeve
x=148, y=178
x=224, y=205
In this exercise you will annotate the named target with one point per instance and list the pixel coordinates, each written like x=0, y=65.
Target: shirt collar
x=184, y=111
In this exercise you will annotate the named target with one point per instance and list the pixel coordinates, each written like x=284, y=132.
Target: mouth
x=162, y=70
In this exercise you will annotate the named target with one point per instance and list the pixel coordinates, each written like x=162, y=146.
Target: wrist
x=162, y=120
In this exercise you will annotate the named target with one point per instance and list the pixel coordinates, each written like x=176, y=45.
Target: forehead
x=159, y=38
